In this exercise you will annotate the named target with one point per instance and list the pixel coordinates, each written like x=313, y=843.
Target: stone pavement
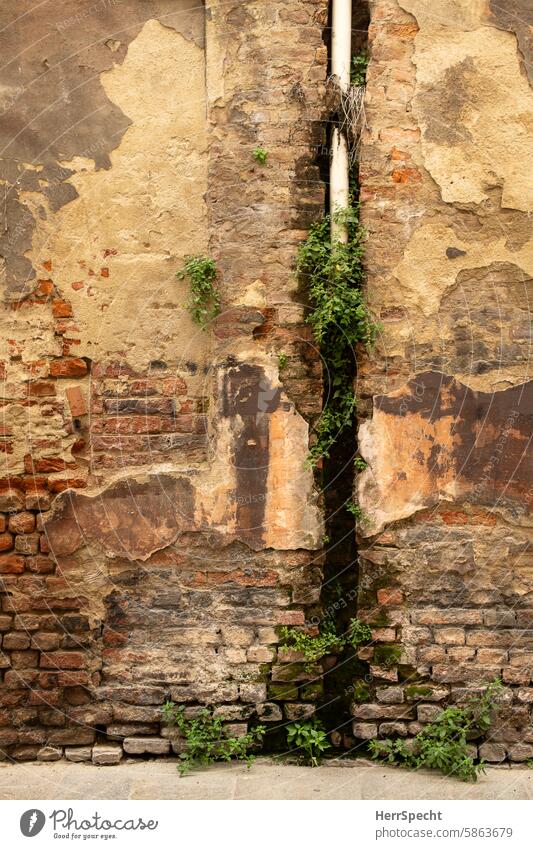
x=267, y=779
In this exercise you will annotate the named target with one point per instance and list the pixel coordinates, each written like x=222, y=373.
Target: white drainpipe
x=341, y=56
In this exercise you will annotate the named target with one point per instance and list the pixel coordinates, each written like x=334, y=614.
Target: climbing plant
x=204, y=304
x=327, y=641
x=358, y=69
x=333, y=273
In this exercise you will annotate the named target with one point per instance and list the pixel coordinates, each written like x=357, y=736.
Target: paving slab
x=266, y=779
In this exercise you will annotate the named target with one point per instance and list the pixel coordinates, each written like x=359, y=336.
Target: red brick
x=399, y=135
x=27, y=543
x=22, y=523
x=63, y=660
x=406, y=175
x=390, y=596
x=114, y=639
x=44, y=288
x=454, y=517
x=129, y=424
x=2, y=523
x=11, y=564
x=45, y=464
x=76, y=401
x=44, y=697
x=38, y=500
x=173, y=386
x=24, y=659
x=139, y=406
x=61, y=309
x=16, y=640
x=68, y=368
x=45, y=642
x=291, y=617
x=6, y=541
x=61, y=484
x=73, y=679
x=41, y=388
x=40, y=564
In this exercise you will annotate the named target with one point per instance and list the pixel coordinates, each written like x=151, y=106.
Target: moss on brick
x=387, y=655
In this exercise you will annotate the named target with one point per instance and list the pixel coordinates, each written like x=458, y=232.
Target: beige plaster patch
x=125, y=235
x=426, y=274
x=473, y=106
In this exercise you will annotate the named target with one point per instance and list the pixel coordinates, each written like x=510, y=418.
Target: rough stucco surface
x=157, y=520
x=447, y=396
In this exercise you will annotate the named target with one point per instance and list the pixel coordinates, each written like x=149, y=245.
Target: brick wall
x=445, y=577
x=154, y=531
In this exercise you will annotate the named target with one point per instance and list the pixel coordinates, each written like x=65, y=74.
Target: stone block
x=269, y=712
x=146, y=746
x=71, y=736
x=253, y=693
x=450, y=636
x=298, y=710
x=428, y=713
x=365, y=730
x=520, y=752
x=493, y=753
x=390, y=695
x=106, y=754
x=392, y=729
x=78, y=754
x=49, y=753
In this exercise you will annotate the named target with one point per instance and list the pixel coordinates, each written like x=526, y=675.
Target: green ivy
x=357, y=512
x=442, y=744
x=327, y=641
x=282, y=361
x=260, y=155
x=204, y=304
x=206, y=739
x=333, y=273
x=358, y=69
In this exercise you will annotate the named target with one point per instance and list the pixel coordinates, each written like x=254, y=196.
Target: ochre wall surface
x=446, y=568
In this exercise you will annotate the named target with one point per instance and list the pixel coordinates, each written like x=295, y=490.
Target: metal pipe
x=341, y=56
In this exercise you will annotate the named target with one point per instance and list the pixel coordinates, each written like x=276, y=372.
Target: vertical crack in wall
x=340, y=586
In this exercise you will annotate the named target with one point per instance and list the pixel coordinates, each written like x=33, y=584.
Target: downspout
x=341, y=55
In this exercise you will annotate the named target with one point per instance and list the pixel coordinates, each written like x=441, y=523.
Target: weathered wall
x=446, y=567
x=157, y=518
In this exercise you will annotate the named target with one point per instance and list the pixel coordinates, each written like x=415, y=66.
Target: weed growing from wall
x=327, y=641
x=442, y=744
x=358, y=69
x=309, y=739
x=206, y=739
x=204, y=304
x=260, y=155
x=339, y=316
